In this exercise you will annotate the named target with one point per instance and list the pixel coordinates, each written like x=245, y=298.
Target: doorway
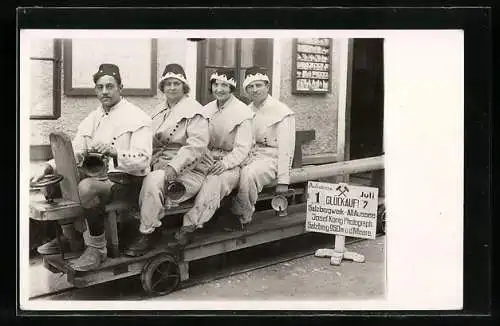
x=367, y=107
x=367, y=99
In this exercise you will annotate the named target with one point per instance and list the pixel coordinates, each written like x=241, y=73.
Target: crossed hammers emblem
x=342, y=191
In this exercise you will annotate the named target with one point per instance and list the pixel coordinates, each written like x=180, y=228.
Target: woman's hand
x=281, y=189
x=156, y=157
x=218, y=168
x=207, y=159
x=170, y=174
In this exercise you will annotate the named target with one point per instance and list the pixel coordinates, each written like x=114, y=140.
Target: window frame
x=56, y=82
x=69, y=90
x=202, y=67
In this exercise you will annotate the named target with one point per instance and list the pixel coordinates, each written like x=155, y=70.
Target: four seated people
x=210, y=150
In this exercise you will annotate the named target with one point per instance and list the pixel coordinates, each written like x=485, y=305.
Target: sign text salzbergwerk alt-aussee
x=339, y=208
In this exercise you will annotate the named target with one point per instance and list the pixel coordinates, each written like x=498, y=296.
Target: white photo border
x=423, y=140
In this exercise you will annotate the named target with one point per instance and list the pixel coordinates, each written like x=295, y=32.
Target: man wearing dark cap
x=122, y=132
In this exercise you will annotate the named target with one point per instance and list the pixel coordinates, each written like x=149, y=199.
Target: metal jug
x=280, y=203
x=94, y=164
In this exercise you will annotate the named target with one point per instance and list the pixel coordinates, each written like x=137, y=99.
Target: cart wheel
x=381, y=219
x=161, y=275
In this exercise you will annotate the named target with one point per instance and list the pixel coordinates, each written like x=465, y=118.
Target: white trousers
x=213, y=190
x=259, y=172
x=152, y=199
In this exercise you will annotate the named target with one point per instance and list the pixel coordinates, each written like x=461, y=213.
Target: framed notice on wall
x=312, y=66
x=136, y=59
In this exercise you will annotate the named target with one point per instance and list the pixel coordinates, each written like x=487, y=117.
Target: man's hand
x=105, y=149
x=80, y=156
x=170, y=174
x=281, y=189
x=41, y=172
x=218, y=168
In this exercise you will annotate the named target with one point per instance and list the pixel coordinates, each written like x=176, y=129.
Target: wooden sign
x=342, y=209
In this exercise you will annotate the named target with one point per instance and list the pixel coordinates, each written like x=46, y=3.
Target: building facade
x=61, y=71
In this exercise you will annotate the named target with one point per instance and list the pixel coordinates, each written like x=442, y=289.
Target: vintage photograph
x=243, y=166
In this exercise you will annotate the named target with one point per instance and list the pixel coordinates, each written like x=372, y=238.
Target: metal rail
x=231, y=271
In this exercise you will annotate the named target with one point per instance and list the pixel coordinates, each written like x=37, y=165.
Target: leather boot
x=69, y=246
x=232, y=222
x=93, y=256
x=183, y=236
x=142, y=244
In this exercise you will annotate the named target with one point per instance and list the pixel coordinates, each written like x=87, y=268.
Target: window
x=45, y=87
x=231, y=53
x=135, y=57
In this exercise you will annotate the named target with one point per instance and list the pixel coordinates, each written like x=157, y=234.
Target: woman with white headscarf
x=231, y=138
x=271, y=158
x=180, y=139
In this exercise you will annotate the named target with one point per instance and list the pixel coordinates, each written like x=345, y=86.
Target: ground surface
x=305, y=278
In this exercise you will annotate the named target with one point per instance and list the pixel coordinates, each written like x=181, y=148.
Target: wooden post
x=339, y=169
x=339, y=244
x=345, y=47
x=344, y=123
x=112, y=234
x=184, y=270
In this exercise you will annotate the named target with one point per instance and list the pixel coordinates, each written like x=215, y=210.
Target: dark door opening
x=367, y=99
x=367, y=108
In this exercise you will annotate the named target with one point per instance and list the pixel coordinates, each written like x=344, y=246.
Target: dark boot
x=69, y=245
x=183, y=236
x=232, y=222
x=71, y=241
x=141, y=245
